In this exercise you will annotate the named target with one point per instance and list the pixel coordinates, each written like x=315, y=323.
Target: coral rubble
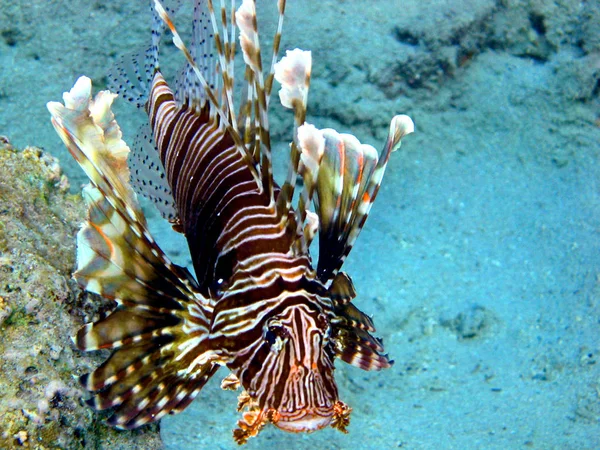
x=41, y=405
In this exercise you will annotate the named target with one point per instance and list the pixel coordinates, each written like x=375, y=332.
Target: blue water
x=480, y=261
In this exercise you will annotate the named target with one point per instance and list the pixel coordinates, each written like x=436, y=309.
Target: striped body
x=211, y=184
x=256, y=304
x=236, y=236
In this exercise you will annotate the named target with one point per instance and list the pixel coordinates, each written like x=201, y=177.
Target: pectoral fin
x=350, y=174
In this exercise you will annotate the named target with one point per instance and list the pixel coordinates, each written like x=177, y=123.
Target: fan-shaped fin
x=350, y=329
x=131, y=75
x=352, y=317
x=341, y=290
x=358, y=348
x=158, y=332
x=349, y=179
x=148, y=174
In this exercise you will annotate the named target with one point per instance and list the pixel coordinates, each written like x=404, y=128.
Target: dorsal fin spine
x=210, y=93
x=222, y=49
x=293, y=72
x=312, y=145
x=400, y=126
x=276, y=43
x=231, y=47
x=250, y=44
x=246, y=109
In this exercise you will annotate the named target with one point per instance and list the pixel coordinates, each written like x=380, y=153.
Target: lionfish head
x=295, y=382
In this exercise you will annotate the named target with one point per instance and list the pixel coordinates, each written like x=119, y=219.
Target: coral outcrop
x=41, y=405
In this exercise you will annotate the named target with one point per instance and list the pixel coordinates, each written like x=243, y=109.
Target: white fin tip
x=312, y=143
x=400, y=126
x=293, y=72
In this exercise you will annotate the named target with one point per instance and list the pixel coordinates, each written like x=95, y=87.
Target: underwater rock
x=41, y=404
x=441, y=37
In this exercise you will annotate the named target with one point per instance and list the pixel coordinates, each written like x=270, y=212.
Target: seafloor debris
x=474, y=323
x=40, y=402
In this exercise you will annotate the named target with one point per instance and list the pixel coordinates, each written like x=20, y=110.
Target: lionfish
x=256, y=304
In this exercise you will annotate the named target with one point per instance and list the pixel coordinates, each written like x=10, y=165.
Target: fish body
x=256, y=306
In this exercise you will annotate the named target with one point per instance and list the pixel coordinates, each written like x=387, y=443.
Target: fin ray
x=188, y=88
x=351, y=329
x=148, y=174
x=348, y=183
x=159, y=331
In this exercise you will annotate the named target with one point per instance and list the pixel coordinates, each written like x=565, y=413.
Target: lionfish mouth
x=308, y=422
x=301, y=421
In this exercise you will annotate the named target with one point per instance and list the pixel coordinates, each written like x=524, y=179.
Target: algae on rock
x=41, y=404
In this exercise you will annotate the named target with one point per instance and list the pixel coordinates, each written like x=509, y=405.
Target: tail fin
x=157, y=332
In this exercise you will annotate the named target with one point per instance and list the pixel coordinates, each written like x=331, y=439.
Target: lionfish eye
x=270, y=336
x=323, y=322
x=274, y=331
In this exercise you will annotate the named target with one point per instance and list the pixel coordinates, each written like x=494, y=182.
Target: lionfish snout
x=311, y=402
x=312, y=409
x=307, y=390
